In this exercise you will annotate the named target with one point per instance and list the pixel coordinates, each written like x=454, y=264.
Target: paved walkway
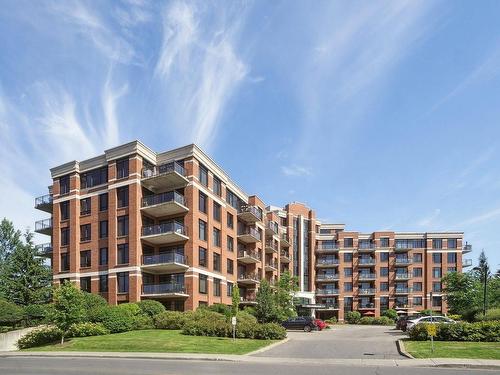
x=340, y=342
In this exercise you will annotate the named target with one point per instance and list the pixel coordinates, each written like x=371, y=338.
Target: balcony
x=284, y=240
x=324, y=277
x=44, y=250
x=285, y=257
x=164, y=291
x=165, y=233
x=366, y=262
x=403, y=261
x=327, y=292
x=326, y=249
x=367, y=276
x=164, y=263
x=164, y=177
x=44, y=226
x=467, y=248
x=249, y=214
x=366, y=291
x=403, y=276
x=467, y=263
x=271, y=247
x=327, y=306
x=402, y=248
x=248, y=257
x=248, y=278
x=271, y=266
x=249, y=235
x=271, y=228
x=44, y=203
x=248, y=301
x=366, y=248
x=325, y=263
x=401, y=306
x=402, y=290
x=164, y=204
x=366, y=306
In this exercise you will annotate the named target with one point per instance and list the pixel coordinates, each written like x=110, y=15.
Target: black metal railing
x=159, y=170
x=43, y=200
x=43, y=224
x=169, y=227
x=163, y=258
x=252, y=209
x=166, y=288
x=170, y=196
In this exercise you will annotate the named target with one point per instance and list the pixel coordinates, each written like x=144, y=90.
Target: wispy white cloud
x=110, y=97
x=295, y=170
x=481, y=218
x=430, y=219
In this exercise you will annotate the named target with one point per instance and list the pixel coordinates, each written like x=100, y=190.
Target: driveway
x=341, y=341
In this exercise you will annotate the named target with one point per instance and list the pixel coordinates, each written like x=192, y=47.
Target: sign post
x=432, y=331
x=233, y=323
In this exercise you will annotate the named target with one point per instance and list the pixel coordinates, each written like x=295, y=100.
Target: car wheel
x=307, y=329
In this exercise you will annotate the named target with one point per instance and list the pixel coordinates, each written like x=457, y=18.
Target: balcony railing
x=285, y=254
x=366, y=246
x=327, y=248
x=327, y=262
x=249, y=276
x=402, y=290
x=166, y=288
x=43, y=202
x=367, y=276
x=466, y=262
x=44, y=249
x=163, y=258
x=367, y=290
x=271, y=245
x=169, y=227
x=403, y=261
x=250, y=232
x=43, y=225
x=403, y=276
x=272, y=227
x=249, y=254
x=251, y=210
x=272, y=264
x=370, y=305
x=170, y=196
x=467, y=248
x=327, y=276
x=367, y=261
x=326, y=291
x=154, y=171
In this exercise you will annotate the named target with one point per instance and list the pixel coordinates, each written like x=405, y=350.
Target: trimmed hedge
x=87, y=329
x=461, y=331
x=150, y=307
x=42, y=336
x=245, y=329
x=353, y=317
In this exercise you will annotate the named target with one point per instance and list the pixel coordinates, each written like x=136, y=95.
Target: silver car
x=427, y=319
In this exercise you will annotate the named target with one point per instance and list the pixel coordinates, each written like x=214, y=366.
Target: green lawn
x=159, y=341
x=453, y=349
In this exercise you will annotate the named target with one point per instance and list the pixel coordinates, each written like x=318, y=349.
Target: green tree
x=68, y=308
x=462, y=293
x=10, y=313
x=286, y=286
x=24, y=278
x=266, y=310
x=10, y=239
x=235, y=295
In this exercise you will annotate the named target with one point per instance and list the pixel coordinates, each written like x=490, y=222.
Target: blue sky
x=379, y=114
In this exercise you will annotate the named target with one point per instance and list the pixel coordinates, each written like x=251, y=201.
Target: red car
x=321, y=324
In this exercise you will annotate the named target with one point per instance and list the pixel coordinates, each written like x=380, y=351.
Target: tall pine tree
x=10, y=238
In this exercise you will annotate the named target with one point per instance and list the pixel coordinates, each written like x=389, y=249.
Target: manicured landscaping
x=453, y=349
x=160, y=341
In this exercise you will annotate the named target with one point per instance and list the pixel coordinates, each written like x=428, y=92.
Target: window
x=452, y=257
x=410, y=244
x=202, y=230
x=85, y=260
x=384, y=242
x=85, y=284
x=217, y=211
x=203, y=175
x=216, y=261
x=436, y=301
x=417, y=272
x=230, y=243
x=64, y=185
x=103, y=283
x=230, y=220
x=216, y=287
x=202, y=257
x=229, y=289
x=95, y=177
x=122, y=197
x=217, y=237
x=347, y=257
x=436, y=286
x=122, y=168
x=452, y=269
x=230, y=267
x=85, y=232
x=417, y=258
x=122, y=279
x=384, y=257
x=122, y=254
x=103, y=202
x=347, y=287
x=64, y=209
x=452, y=243
x=436, y=258
x=202, y=203
x=103, y=229
x=231, y=198
x=85, y=206
x=347, y=272
x=202, y=284
x=417, y=301
x=64, y=262
x=65, y=236
x=123, y=225
x=217, y=187
x=436, y=272
x=417, y=287
x=384, y=271
x=437, y=243
x=103, y=256
x=348, y=242
x=384, y=287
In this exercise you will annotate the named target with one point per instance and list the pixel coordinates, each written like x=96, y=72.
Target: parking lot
x=341, y=341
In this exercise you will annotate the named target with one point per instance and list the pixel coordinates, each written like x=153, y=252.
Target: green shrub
x=366, y=320
x=332, y=320
x=143, y=322
x=353, y=317
x=245, y=330
x=87, y=329
x=118, y=318
x=245, y=317
x=150, y=307
x=383, y=321
x=93, y=304
x=36, y=314
x=491, y=314
x=455, y=317
x=391, y=314
x=130, y=308
x=461, y=331
x=38, y=337
x=269, y=331
x=221, y=309
x=418, y=332
x=10, y=313
x=207, y=327
x=171, y=320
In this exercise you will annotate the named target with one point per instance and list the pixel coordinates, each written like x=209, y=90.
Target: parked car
x=320, y=324
x=305, y=323
x=428, y=319
x=403, y=321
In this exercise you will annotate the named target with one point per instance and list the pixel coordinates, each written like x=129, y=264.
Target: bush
x=10, y=313
x=418, y=332
x=391, y=314
x=353, y=317
x=221, y=309
x=171, y=320
x=491, y=314
x=143, y=322
x=42, y=336
x=462, y=331
x=150, y=307
x=118, y=318
x=93, y=304
x=366, y=320
x=245, y=317
x=455, y=317
x=87, y=329
x=269, y=331
x=36, y=314
x=207, y=327
x=332, y=320
x=383, y=321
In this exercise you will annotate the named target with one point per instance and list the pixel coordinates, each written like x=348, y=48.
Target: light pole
x=484, y=272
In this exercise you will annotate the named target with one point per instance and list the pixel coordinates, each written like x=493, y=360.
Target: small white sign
x=233, y=320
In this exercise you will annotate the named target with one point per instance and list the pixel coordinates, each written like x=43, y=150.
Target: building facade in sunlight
x=134, y=224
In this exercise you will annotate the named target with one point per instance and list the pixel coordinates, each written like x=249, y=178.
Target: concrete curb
x=266, y=348
x=402, y=349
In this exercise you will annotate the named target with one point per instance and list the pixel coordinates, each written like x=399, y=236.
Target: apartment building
x=134, y=224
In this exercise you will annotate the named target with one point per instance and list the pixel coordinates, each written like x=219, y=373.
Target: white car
x=427, y=319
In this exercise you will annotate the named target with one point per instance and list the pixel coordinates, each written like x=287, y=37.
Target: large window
x=202, y=230
x=122, y=196
x=103, y=256
x=384, y=242
x=411, y=244
x=103, y=283
x=417, y=258
x=64, y=185
x=217, y=187
x=216, y=287
x=436, y=286
x=348, y=272
x=217, y=239
x=64, y=262
x=384, y=271
x=384, y=287
x=202, y=203
x=230, y=266
x=436, y=272
x=64, y=209
x=229, y=289
x=452, y=243
x=122, y=225
x=437, y=243
x=122, y=168
x=94, y=177
x=217, y=262
x=65, y=236
x=230, y=220
x=203, y=284
x=103, y=229
x=103, y=202
x=202, y=257
x=85, y=258
x=85, y=284
x=452, y=257
x=417, y=301
x=122, y=280
x=348, y=287
x=203, y=175
x=122, y=254
x=436, y=258
x=85, y=206
x=348, y=242
x=417, y=272
x=217, y=211
x=384, y=257
x=230, y=243
x=85, y=232
x=231, y=198
x=417, y=287
x=347, y=257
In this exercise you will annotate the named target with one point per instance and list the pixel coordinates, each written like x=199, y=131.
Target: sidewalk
x=435, y=362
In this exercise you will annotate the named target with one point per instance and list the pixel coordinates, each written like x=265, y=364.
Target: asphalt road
x=111, y=366
x=342, y=341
